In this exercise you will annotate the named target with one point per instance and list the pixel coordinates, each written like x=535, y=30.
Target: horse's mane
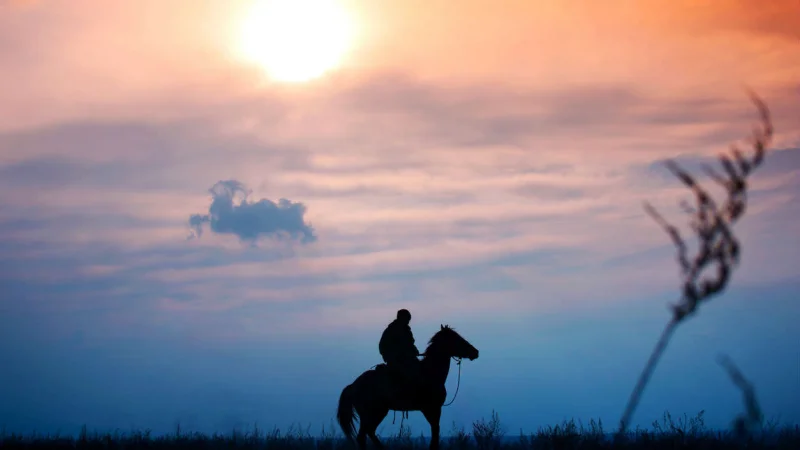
x=436, y=338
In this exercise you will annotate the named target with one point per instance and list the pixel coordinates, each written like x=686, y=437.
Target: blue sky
x=183, y=240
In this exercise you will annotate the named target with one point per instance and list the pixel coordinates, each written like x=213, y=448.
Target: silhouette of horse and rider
x=402, y=383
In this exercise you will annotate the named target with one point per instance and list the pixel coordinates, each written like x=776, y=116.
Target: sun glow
x=296, y=40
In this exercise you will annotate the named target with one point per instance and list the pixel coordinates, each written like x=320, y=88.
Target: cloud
x=251, y=220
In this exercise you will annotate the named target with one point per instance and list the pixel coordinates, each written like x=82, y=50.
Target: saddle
x=396, y=376
x=392, y=373
x=401, y=391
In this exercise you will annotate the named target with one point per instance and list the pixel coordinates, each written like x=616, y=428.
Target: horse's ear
x=442, y=326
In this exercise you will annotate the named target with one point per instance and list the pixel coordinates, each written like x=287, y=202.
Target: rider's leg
x=394, y=364
x=412, y=370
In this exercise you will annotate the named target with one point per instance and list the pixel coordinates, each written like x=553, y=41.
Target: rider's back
x=396, y=339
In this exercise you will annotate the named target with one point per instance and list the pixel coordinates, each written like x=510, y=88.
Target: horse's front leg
x=433, y=415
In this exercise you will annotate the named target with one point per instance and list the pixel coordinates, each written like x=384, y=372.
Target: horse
x=376, y=391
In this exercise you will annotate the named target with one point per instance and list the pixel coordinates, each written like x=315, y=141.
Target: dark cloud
x=251, y=220
x=777, y=162
x=545, y=190
x=481, y=114
x=772, y=19
x=146, y=156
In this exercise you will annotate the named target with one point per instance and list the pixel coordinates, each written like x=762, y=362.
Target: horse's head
x=448, y=341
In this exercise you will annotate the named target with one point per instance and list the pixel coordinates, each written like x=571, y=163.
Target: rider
x=397, y=347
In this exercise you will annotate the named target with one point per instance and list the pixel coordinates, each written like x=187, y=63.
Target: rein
x=458, y=385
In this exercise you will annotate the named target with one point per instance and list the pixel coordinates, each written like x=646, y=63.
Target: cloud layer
x=251, y=220
x=484, y=169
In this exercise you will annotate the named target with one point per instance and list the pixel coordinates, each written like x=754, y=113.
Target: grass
x=667, y=433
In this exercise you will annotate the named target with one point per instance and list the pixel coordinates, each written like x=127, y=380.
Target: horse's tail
x=345, y=414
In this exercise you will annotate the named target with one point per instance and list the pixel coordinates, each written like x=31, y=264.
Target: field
x=666, y=433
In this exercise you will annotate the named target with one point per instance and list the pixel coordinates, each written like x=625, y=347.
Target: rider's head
x=404, y=316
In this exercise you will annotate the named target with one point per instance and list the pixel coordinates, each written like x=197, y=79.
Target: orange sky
x=122, y=56
x=422, y=128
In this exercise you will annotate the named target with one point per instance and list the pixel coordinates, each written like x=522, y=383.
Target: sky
x=185, y=240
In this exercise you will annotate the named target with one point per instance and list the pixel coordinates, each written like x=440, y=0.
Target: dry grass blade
x=744, y=424
x=717, y=247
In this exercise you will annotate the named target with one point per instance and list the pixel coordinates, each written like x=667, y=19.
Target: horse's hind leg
x=375, y=441
x=372, y=426
x=361, y=438
x=369, y=422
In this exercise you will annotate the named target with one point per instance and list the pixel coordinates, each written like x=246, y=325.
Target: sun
x=296, y=40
